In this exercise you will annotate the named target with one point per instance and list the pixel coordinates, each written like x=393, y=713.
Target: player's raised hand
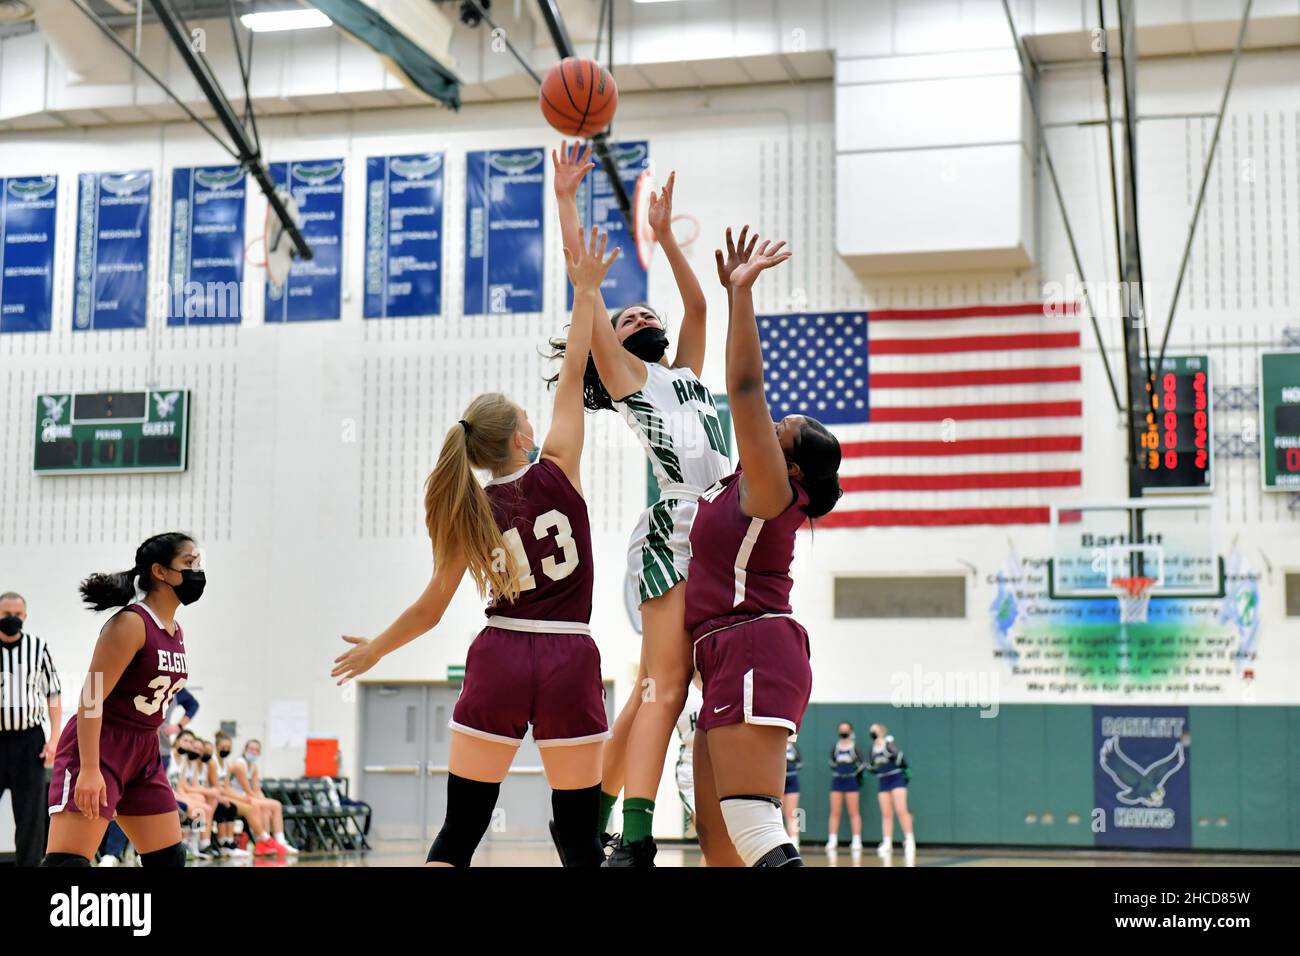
x=355, y=661
x=661, y=210
x=737, y=252
x=571, y=164
x=587, y=265
x=765, y=257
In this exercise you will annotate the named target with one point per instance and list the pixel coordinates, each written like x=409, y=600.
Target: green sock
x=638, y=819
x=607, y=802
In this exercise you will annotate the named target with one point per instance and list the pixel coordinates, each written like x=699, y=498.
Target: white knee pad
x=757, y=830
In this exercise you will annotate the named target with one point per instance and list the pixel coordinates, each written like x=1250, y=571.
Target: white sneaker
x=885, y=850
x=833, y=842
x=234, y=852
x=909, y=849
x=856, y=845
x=109, y=860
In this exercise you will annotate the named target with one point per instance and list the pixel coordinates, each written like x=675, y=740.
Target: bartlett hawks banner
x=1141, y=777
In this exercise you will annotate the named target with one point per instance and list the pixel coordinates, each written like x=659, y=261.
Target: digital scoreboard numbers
x=1279, y=408
x=82, y=433
x=1174, y=440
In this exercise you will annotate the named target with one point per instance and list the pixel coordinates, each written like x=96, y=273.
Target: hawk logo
x=516, y=163
x=31, y=189
x=165, y=404
x=124, y=184
x=320, y=173
x=416, y=168
x=1139, y=786
x=54, y=405
x=218, y=178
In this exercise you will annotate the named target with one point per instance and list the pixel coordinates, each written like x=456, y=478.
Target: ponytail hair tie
x=465, y=425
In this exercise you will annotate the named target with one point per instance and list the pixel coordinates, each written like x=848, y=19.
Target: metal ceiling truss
x=247, y=146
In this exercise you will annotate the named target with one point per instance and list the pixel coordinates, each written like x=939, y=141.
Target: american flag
x=954, y=416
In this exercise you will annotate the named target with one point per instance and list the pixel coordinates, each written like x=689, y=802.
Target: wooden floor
x=410, y=853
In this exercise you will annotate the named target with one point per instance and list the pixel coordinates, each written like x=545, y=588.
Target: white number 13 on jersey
x=556, y=570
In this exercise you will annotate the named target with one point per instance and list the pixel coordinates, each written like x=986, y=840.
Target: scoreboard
x=1174, y=440
x=1279, y=407
x=83, y=433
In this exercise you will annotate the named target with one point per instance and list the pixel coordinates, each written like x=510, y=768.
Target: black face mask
x=845, y=734
x=206, y=757
x=649, y=345
x=11, y=624
x=224, y=752
x=191, y=587
x=875, y=736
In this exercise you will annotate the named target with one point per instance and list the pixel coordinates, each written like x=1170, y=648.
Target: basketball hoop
x=1134, y=596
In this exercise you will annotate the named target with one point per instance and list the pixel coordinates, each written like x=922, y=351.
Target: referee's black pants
x=22, y=773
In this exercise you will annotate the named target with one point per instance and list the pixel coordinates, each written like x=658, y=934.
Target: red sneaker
x=265, y=847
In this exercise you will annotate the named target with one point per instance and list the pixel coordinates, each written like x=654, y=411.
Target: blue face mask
x=533, y=454
x=251, y=758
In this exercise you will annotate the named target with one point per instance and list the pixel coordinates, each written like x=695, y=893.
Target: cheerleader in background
x=847, y=766
x=888, y=765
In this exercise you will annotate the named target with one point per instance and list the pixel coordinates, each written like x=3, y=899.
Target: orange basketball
x=578, y=97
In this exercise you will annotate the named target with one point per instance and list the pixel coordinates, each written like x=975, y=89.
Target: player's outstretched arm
x=693, y=336
x=621, y=372
x=765, y=487
x=587, y=268
x=422, y=616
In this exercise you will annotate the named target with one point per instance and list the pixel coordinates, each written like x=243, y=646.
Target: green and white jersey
x=674, y=417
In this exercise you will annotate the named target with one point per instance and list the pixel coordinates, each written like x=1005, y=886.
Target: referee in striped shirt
x=28, y=685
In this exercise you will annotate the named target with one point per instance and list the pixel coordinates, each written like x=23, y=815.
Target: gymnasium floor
x=411, y=853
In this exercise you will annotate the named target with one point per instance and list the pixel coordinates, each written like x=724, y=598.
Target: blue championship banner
x=314, y=288
x=504, y=216
x=403, y=236
x=1141, y=776
x=27, y=211
x=206, y=265
x=625, y=283
x=111, y=285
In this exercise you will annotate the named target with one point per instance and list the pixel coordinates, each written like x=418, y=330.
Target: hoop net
x=1134, y=596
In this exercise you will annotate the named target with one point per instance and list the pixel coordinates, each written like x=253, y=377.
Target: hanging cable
x=1205, y=178
x=1060, y=202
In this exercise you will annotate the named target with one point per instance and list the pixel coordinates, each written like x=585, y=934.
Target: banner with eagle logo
x=1141, y=777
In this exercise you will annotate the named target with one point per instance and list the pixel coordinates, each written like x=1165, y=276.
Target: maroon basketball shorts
x=131, y=765
x=514, y=678
x=756, y=672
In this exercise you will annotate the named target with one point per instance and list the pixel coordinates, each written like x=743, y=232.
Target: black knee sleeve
x=577, y=825
x=783, y=855
x=173, y=855
x=469, y=811
x=64, y=859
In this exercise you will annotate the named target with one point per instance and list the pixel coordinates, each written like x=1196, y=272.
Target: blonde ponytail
x=457, y=511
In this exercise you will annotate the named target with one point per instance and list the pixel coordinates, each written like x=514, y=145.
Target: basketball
x=578, y=97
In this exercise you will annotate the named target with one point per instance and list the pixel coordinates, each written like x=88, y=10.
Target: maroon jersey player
x=524, y=538
x=108, y=763
x=752, y=655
